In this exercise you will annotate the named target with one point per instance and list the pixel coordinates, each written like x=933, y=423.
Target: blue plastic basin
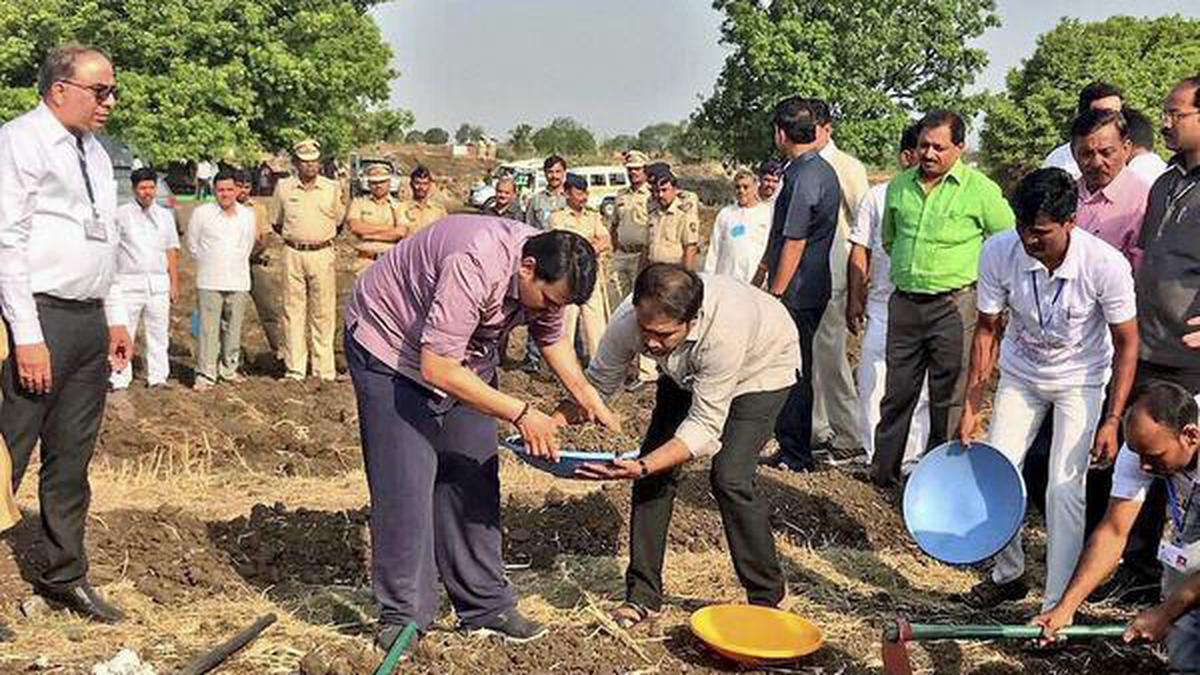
x=964, y=504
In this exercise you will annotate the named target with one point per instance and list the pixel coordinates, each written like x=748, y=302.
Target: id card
x=94, y=229
x=1181, y=558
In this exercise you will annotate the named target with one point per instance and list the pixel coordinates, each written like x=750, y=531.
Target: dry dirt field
x=212, y=509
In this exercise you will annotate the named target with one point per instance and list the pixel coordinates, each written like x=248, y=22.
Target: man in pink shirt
x=1112, y=197
x=423, y=326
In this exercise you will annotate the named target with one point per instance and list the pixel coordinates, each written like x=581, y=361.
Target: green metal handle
x=397, y=650
x=926, y=631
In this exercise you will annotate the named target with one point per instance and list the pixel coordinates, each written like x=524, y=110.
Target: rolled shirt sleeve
x=991, y=296
x=619, y=346
x=712, y=392
x=1129, y=481
x=18, y=188
x=455, y=312
x=1117, y=298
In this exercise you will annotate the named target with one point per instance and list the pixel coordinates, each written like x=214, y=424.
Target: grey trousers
x=66, y=421
x=1183, y=644
x=219, y=345
x=434, y=481
x=926, y=334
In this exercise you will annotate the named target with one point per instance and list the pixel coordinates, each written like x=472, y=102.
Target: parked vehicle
x=124, y=160
x=358, y=174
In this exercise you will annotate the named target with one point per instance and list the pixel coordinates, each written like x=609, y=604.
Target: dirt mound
x=275, y=545
x=826, y=508
x=166, y=553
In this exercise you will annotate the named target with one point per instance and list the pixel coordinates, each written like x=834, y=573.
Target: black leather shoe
x=83, y=600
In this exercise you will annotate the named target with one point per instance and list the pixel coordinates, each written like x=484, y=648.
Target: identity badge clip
x=94, y=228
x=1183, y=558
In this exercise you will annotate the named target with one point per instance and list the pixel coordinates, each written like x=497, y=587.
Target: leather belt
x=367, y=255
x=308, y=246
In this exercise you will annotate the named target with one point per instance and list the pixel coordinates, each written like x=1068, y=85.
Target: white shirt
x=1062, y=158
x=739, y=238
x=742, y=341
x=45, y=213
x=1149, y=166
x=1059, y=326
x=221, y=245
x=146, y=236
x=1130, y=482
x=867, y=231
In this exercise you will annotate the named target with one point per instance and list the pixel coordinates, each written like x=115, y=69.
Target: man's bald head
x=1162, y=428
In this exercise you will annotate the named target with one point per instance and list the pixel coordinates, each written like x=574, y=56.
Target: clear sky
x=618, y=65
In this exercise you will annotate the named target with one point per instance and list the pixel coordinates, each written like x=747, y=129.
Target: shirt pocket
x=953, y=228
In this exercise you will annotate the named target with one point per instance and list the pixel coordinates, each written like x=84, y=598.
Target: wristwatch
x=645, y=469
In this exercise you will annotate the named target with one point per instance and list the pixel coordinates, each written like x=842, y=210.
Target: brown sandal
x=631, y=614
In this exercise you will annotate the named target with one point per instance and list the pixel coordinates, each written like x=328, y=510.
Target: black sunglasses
x=100, y=91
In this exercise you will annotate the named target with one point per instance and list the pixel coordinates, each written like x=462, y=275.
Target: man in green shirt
x=935, y=220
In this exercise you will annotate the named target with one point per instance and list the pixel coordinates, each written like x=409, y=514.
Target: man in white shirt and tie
x=58, y=262
x=147, y=274
x=220, y=237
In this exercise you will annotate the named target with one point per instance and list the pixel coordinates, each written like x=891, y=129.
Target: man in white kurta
x=147, y=275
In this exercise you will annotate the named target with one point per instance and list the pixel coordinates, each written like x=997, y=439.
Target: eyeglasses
x=1174, y=116
x=100, y=91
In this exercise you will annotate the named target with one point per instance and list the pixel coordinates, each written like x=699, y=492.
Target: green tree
x=656, y=137
x=520, y=139
x=619, y=143
x=694, y=143
x=564, y=136
x=469, y=133
x=384, y=125
x=1144, y=57
x=219, y=79
x=877, y=63
x=414, y=137
x=437, y=136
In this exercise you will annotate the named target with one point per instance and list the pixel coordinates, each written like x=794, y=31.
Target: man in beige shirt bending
x=308, y=214
x=728, y=354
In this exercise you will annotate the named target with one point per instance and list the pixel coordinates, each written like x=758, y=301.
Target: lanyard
x=1179, y=518
x=1037, y=299
x=87, y=181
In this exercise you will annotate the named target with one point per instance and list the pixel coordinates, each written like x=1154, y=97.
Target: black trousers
x=744, y=513
x=66, y=421
x=793, y=429
x=1141, y=550
x=926, y=333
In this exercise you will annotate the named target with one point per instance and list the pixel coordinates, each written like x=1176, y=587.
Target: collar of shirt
x=1108, y=193
x=52, y=130
x=1069, y=268
x=1178, y=165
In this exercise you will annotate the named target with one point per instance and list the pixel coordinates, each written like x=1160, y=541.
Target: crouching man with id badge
x=1162, y=434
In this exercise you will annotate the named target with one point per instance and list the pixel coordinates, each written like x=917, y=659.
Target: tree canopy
x=469, y=133
x=1144, y=57
x=219, y=79
x=564, y=136
x=436, y=136
x=877, y=63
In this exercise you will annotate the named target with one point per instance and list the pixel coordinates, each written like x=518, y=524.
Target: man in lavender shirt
x=423, y=326
x=1112, y=196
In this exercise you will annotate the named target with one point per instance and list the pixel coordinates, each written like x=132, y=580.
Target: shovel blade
x=895, y=658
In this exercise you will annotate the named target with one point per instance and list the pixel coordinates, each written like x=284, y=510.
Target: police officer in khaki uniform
x=673, y=228
x=264, y=281
x=587, y=223
x=374, y=219
x=422, y=209
x=308, y=214
x=628, y=222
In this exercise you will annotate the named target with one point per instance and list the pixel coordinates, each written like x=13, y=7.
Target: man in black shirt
x=796, y=262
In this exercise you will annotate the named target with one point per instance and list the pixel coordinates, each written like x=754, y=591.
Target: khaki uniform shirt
x=265, y=238
x=309, y=215
x=586, y=223
x=630, y=217
x=416, y=215
x=674, y=228
x=381, y=213
x=742, y=341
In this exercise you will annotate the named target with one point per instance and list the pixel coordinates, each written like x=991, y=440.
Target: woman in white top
x=739, y=235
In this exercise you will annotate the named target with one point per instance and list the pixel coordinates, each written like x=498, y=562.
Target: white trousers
x=153, y=312
x=872, y=377
x=1018, y=411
